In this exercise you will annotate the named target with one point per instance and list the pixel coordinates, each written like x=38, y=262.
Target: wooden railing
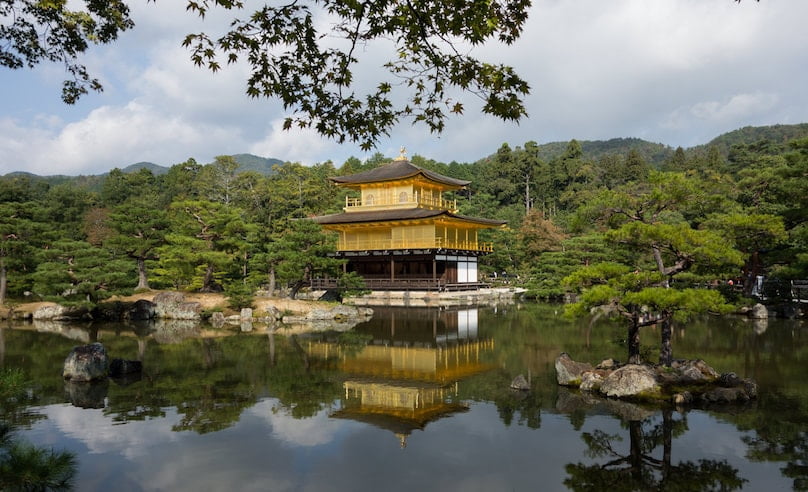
x=411, y=283
x=413, y=200
x=434, y=243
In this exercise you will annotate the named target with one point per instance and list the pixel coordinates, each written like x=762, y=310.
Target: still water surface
x=414, y=399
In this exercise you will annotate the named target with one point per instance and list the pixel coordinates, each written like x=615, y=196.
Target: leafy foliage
x=53, y=32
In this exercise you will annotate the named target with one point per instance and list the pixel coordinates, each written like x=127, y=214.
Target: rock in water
x=630, y=380
x=86, y=363
x=520, y=383
x=759, y=311
x=568, y=372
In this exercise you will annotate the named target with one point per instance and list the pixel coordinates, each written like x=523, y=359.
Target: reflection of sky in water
x=269, y=450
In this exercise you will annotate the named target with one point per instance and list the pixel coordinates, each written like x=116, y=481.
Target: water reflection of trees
x=211, y=382
x=24, y=466
x=780, y=439
x=638, y=468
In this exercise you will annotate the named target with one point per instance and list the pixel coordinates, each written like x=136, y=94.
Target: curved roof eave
x=396, y=170
x=398, y=215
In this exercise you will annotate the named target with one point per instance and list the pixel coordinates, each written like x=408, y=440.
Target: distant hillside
x=90, y=182
x=247, y=162
x=778, y=135
x=653, y=153
x=262, y=165
x=156, y=169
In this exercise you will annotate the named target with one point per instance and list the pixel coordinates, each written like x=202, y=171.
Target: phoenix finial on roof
x=402, y=156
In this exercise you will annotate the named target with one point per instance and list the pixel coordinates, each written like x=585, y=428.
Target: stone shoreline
x=686, y=382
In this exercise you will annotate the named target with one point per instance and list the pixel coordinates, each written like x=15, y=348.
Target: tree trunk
x=3, y=282
x=661, y=266
x=142, y=278
x=751, y=270
x=527, y=193
x=295, y=288
x=634, y=341
x=207, y=281
x=665, y=348
x=272, y=281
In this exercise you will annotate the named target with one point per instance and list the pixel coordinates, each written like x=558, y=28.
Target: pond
x=414, y=399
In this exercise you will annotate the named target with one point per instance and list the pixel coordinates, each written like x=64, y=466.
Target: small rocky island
x=684, y=382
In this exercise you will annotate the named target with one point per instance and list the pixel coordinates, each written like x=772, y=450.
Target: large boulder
x=56, y=312
x=172, y=305
x=141, y=310
x=630, y=380
x=520, y=383
x=591, y=380
x=340, y=313
x=759, y=311
x=217, y=319
x=86, y=363
x=568, y=372
x=694, y=371
x=270, y=314
x=726, y=395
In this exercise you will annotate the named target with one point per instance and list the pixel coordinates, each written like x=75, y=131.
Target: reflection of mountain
x=406, y=376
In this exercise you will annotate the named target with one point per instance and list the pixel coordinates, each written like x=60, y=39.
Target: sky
x=677, y=72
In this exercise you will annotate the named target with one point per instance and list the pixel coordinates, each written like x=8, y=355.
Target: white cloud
x=737, y=106
x=92, y=427
x=308, y=432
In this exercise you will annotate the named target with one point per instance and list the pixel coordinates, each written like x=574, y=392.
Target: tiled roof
x=400, y=214
x=398, y=169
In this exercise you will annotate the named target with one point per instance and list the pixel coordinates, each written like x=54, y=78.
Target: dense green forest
x=729, y=211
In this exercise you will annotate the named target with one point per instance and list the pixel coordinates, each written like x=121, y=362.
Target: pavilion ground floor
x=422, y=270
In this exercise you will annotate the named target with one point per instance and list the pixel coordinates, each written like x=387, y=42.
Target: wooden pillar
x=434, y=273
x=392, y=268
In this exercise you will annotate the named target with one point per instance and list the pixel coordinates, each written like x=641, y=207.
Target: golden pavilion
x=401, y=233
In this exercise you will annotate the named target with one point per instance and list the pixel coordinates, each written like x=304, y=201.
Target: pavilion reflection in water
x=407, y=374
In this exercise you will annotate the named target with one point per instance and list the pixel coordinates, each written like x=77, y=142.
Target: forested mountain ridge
x=778, y=135
x=246, y=162
x=655, y=154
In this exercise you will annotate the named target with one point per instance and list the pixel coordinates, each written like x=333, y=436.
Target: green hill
x=777, y=135
x=653, y=153
x=247, y=162
x=262, y=165
x=154, y=168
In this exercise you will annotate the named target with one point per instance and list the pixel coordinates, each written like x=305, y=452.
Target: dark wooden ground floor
x=431, y=270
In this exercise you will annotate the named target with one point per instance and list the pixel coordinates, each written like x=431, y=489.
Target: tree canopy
x=305, y=53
